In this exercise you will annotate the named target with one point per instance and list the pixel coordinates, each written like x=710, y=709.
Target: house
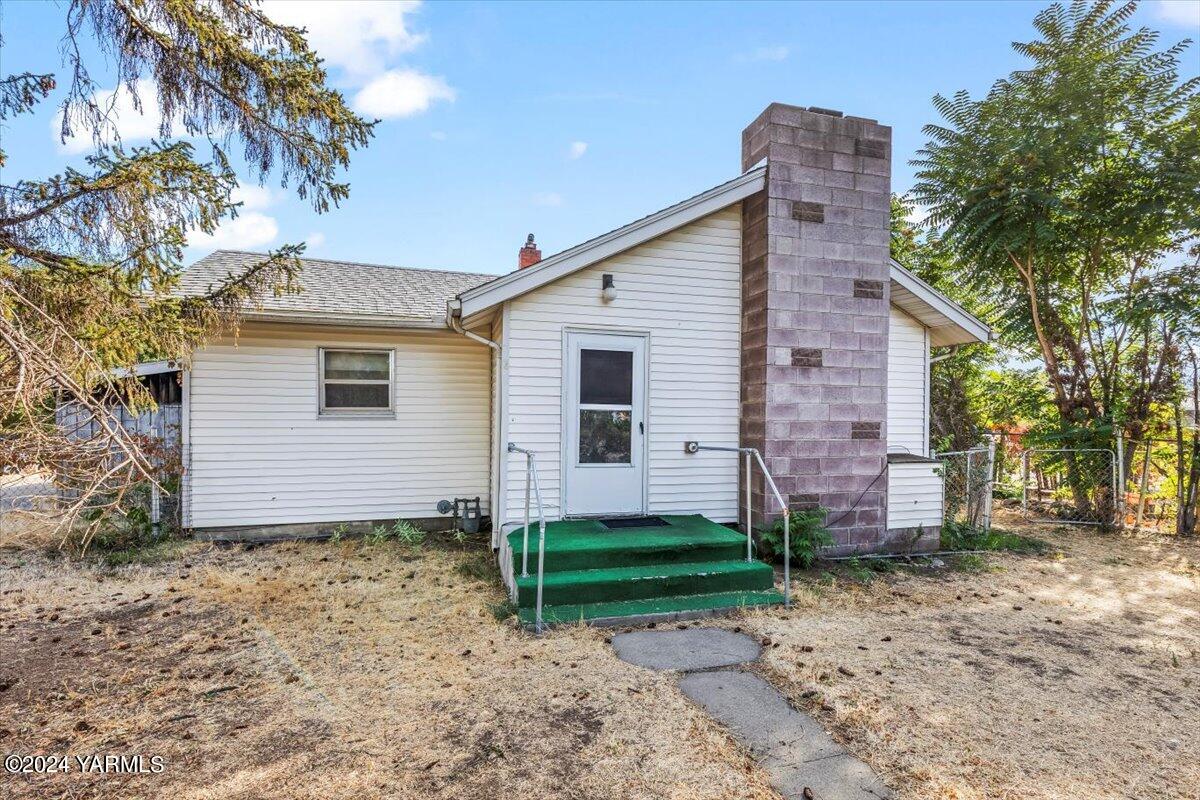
x=762, y=313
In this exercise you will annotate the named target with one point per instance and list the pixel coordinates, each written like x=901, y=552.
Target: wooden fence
x=163, y=424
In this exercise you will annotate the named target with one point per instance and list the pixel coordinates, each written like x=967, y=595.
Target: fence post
x=1119, y=480
x=155, y=507
x=1143, y=485
x=1024, y=480
x=988, y=479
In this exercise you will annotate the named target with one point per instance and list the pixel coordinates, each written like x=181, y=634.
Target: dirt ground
x=342, y=670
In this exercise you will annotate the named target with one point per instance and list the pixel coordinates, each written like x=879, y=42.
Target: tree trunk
x=1078, y=483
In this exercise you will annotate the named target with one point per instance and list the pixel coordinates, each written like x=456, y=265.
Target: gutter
x=348, y=320
x=454, y=322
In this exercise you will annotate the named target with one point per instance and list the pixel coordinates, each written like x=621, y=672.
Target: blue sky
x=570, y=119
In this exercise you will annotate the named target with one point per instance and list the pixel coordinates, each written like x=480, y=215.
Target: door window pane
x=350, y=365
x=604, y=437
x=356, y=395
x=606, y=377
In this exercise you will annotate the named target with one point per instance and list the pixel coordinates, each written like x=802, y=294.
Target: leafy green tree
x=89, y=259
x=958, y=390
x=1066, y=193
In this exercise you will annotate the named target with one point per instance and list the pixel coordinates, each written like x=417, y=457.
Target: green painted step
x=658, y=605
x=582, y=587
x=587, y=544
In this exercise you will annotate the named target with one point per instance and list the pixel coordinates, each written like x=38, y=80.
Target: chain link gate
x=967, y=486
x=1071, y=485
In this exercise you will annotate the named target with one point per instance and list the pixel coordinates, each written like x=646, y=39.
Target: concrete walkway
x=803, y=760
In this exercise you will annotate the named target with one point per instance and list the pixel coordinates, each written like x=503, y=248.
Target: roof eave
x=481, y=298
x=949, y=323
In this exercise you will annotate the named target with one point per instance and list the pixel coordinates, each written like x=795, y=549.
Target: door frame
x=564, y=428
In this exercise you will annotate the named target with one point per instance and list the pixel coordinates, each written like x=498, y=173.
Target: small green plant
x=502, y=610
x=338, y=533
x=807, y=535
x=481, y=566
x=969, y=562
x=859, y=571
x=408, y=534
x=377, y=535
x=164, y=550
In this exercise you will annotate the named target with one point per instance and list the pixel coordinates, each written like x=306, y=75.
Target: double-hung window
x=356, y=382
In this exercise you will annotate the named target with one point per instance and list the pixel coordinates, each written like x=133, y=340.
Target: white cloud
x=314, y=239
x=577, y=150
x=1179, y=12
x=438, y=136
x=125, y=123
x=777, y=52
x=357, y=36
x=252, y=198
x=362, y=38
x=249, y=230
x=401, y=93
x=548, y=199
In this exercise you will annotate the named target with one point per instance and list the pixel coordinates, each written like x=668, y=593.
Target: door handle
x=642, y=428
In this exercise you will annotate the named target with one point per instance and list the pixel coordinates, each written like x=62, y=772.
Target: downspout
x=455, y=322
x=954, y=348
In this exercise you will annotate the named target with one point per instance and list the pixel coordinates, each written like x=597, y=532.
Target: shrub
x=123, y=523
x=807, y=535
x=964, y=536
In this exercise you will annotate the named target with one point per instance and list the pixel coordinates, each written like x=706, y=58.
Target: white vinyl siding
x=907, y=396
x=499, y=428
x=914, y=489
x=261, y=454
x=914, y=496
x=684, y=290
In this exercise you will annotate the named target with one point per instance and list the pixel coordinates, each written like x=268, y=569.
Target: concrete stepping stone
x=687, y=650
x=796, y=750
x=789, y=744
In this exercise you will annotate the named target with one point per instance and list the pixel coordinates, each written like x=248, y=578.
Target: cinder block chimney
x=815, y=294
x=528, y=255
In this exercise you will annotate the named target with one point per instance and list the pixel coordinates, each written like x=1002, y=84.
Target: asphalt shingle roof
x=343, y=288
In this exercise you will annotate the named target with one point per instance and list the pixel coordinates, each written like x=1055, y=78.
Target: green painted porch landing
x=593, y=573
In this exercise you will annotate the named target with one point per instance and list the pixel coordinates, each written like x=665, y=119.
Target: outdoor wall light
x=610, y=290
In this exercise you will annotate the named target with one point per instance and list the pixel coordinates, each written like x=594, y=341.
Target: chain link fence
x=1073, y=485
x=1152, y=487
x=967, y=478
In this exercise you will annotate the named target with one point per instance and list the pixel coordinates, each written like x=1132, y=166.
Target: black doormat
x=617, y=523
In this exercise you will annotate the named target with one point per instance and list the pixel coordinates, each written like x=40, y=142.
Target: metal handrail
x=531, y=479
x=752, y=453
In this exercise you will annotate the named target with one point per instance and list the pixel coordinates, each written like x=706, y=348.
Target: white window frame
x=389, y=411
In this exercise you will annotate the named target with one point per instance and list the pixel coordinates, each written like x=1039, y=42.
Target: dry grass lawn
x=332, y=671
x=353, y=671
x=1073, y=675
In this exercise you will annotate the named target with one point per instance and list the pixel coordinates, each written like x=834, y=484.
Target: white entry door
x=605, y=435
